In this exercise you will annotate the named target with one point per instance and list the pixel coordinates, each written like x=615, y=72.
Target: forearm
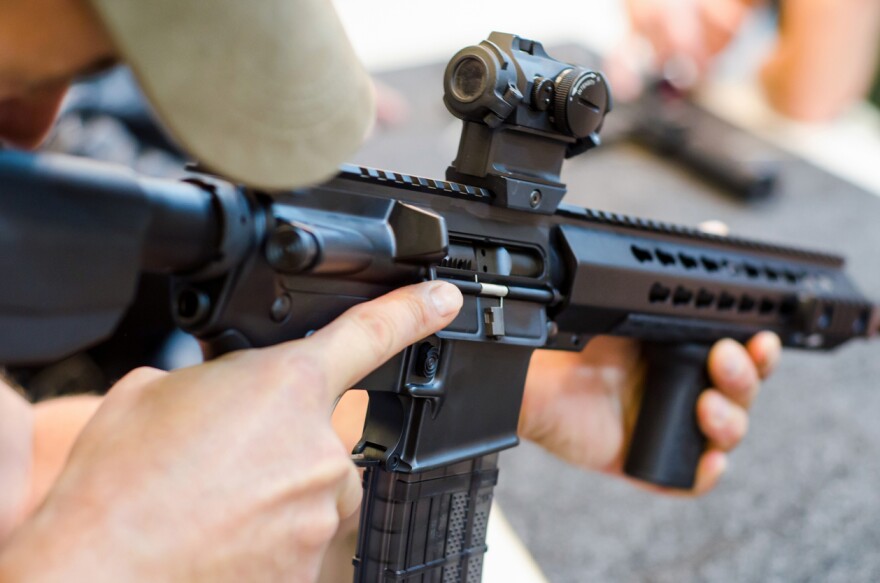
x=825, y=59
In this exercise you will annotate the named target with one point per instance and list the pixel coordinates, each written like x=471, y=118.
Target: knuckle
x=322, y=524
x=419, y=313
x=331, y=494
x=749, y=388
x=735, y=432
x=743, y=428
x=335, y=463
x=304, y=370
x=745, y=383
x=379, y=328
x=350, y=499
x=137, y=378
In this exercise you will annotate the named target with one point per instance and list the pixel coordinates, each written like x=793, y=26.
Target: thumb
x=367, y=335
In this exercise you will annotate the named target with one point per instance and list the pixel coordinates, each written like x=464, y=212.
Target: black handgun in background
x=250, y=268
x=664, y=121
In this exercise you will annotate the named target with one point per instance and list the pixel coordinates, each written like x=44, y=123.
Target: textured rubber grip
x=428, y=527
x=667, y=443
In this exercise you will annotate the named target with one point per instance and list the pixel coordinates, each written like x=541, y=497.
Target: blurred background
x=751, y=113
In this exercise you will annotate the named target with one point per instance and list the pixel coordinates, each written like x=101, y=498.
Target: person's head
x=269, y=92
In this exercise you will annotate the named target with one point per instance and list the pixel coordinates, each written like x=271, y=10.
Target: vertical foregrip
x=428, y=527
x=667, y=442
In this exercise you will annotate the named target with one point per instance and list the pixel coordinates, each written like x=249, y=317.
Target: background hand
x=696, y=29
x=675, y=38
x=583, y=406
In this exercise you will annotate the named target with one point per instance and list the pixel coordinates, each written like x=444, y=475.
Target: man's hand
x=695, y=29
x=583, y=406
x=225, y=471
x=678, y=38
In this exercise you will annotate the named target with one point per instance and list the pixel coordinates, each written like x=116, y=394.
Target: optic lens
x=469, y=79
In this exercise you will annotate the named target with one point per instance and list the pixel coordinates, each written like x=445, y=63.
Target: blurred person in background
x=825, y=58
x=231, y=470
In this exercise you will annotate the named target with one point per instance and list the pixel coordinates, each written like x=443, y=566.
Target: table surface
x=800, y=500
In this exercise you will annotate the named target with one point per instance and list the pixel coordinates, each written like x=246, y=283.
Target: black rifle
x=251, y=268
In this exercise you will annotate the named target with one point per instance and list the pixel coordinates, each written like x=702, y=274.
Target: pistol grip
x=667, y=443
